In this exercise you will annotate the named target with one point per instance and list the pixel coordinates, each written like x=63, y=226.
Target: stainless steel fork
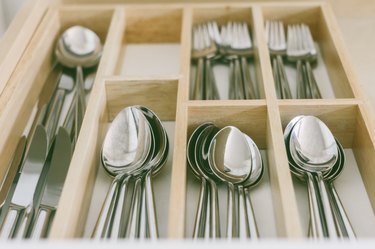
x=301, y=49
x=204, y=49
x=238, y=47
x=277, y=46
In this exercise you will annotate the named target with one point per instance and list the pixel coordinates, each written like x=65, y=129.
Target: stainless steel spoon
x=78, y=47
x=126, y=148
x=257, y=172
x=313, y=148
x=202, y=145
x=146, y=198
x=200, y=218
x=231, y=161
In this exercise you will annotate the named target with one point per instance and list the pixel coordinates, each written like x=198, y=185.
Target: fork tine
x=309, y=39
x=248, y=41
x=281, y=35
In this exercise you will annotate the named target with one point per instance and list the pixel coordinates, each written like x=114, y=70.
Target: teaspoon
x=313, y=148
x=231, y=161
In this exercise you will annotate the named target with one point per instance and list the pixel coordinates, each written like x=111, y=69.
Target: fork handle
x=276, y=77
x=284, y=85
x=315, y=92
x=250, y=89
x=301, y=89
x=199, y=76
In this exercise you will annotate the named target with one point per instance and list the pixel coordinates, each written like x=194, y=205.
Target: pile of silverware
x=30, y=194
x=299, y=48
x=315, y=156
x=232, y=46
x=135, y=149
x=231, y=157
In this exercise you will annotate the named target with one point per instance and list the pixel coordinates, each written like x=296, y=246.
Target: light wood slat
x=364, y=151
x=160, y=95
x=284, y=200
x=15, y=40
x=176, y=218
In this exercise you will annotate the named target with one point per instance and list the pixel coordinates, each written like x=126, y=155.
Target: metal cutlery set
x=231, y=46
x=224, y=156
x=34, y=182
x=299, y=48
x=136, y=144
x=315, y=156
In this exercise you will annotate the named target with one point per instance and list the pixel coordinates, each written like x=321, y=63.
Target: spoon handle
x=150, y=207
x=316, y=221
x=231, y=216
x=215, y=218
x=243, y=224
x=344, y=225
x=328, y=212
x=253, y=228
x=103, y=224
x=199, y=224
x=132, y=230
x=117, y=226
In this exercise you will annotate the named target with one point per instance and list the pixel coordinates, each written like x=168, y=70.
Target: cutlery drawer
x=146, y=60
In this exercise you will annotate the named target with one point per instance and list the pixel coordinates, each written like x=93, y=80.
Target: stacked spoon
x=317, y=157
x=134, y=149
x=224, y=156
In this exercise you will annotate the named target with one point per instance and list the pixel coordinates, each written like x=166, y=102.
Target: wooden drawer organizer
x=28, y=59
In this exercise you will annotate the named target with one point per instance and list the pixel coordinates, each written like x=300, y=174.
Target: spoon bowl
x=257, y=169
x=230, y=155
x=79, y=46
x=312, y=145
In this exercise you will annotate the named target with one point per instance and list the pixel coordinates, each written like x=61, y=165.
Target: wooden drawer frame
x=26, y=62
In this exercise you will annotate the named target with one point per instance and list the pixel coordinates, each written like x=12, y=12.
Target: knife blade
x=20, y=210
x=58, y=170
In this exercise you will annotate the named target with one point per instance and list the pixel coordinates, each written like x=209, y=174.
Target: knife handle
x=43, y=221
x=17, y=222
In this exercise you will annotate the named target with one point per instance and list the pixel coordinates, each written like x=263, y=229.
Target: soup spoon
x=200, y=217
x=126, y=147
x=212, y=223
x=77, y=47
x=257, y=172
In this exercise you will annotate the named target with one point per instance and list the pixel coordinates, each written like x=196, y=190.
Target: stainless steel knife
x=57, y=172
x=20, y=211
